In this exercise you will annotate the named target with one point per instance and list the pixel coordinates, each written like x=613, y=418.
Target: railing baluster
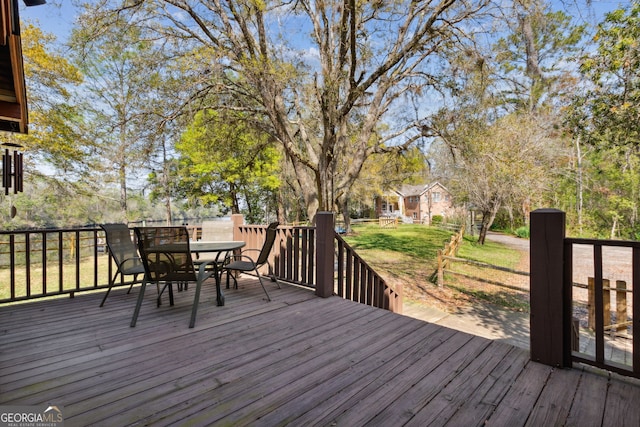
x=95, y=258
x=635, y=297
x=60, y=262
x=340, y=269
x=599, y=302
x=77, y=260
x=44, y=263
x=12, y=264
x=27, y=261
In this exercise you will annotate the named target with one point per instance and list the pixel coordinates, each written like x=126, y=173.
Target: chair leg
x=169, y=286
x=262, y=284
x=273, y=275
x=135, y=280
x=235, y=281
x=196, y=301
x=107, y=294
x=111, y=283
x=138, y=304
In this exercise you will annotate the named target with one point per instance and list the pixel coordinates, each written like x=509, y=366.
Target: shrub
x=437, y=220
x=523, y=232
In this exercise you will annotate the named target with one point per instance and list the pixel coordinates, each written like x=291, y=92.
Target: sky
x=57, y=16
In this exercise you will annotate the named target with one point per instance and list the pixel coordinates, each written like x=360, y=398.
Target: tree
x=227, y=161
x=493, y=165
x=605, y=116
x=368, y=59
x=121, y=71
x=531, y=59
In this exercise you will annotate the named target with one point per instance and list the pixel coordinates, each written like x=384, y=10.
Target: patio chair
x=124, y=253
x=166, y=257
x=245, y=264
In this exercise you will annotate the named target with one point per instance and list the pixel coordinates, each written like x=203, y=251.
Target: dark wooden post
x=325, y=250
x=550, y=298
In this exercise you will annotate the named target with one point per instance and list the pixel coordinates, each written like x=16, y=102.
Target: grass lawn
x=407, y=255
x=37, y=276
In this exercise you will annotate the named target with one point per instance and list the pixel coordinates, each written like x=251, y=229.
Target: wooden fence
x=450, y=250
x=388, y=222
x=447, y=262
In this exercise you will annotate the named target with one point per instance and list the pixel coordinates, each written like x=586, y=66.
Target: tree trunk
x=345, y=214
x=165, y=183
x=488, y=216
x=579, y=182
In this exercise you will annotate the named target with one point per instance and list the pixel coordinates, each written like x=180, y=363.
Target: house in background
x=418, y=203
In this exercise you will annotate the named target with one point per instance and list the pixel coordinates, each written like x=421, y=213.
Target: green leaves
x=228, y=160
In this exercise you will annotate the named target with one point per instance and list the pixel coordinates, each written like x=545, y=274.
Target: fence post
x=325, y=250
x=621, y=305
x=550, y=298
x=238, y=221
x=440, y=278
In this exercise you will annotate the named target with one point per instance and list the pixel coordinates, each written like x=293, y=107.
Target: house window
x=415, y=215
x=436, y=197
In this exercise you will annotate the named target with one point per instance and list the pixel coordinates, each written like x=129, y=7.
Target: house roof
x=418, y=190
x=13, y=95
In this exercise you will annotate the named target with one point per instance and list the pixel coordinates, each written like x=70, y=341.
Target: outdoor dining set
x=167, y=256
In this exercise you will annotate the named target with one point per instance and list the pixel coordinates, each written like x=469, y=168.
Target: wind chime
x=12, y=171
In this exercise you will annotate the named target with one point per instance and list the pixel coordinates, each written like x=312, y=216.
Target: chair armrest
x=238, y=257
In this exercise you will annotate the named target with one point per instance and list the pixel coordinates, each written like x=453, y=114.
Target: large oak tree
x=319, y=76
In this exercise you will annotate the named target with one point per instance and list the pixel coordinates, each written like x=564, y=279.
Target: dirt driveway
x=616, y=261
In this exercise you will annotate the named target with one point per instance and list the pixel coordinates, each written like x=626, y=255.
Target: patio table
x=199, y=247
x=219, y=248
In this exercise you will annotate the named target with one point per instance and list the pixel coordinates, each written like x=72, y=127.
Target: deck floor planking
x=297, y=360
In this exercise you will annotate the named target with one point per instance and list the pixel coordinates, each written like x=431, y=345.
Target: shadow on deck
x=298, y=360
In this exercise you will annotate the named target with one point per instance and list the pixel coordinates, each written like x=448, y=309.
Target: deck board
x=297, y=360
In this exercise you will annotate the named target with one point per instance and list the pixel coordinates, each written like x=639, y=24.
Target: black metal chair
x=124, y=253
x=245, y=264
x=167, y=259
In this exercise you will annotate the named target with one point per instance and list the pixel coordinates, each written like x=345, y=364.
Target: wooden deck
x=298, y=360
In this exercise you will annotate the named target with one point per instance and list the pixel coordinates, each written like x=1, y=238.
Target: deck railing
x=562, y=331
x=44, y=263
x=357, y=281
x=297, y=258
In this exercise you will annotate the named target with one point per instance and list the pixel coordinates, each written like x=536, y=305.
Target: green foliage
x=436, y=220
x=612, y=108
x=225, y=160
x=523, y=232
x=604, y=124
x=535, y=75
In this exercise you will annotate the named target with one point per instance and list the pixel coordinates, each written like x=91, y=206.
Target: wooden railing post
x=238, y=221
x=550, y=298
x=324, y=254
